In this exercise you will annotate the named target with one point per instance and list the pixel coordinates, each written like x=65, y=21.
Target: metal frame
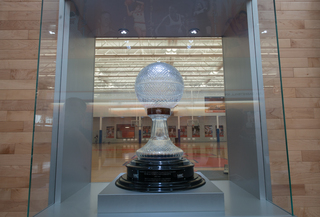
x=256, y=69
x=262, y=106
x=61, y=66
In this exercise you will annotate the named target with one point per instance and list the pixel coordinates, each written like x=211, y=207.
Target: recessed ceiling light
x=123, y=31
x=194, y=31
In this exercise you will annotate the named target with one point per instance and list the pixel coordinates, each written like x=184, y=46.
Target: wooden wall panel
x=18, y=63
x=300, y=24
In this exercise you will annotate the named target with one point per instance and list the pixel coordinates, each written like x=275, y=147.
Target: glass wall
x=89, y=123
x=274, y=106
x=41, y=166
x=193, y=123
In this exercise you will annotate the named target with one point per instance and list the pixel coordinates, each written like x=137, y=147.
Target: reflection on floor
x=108, y=160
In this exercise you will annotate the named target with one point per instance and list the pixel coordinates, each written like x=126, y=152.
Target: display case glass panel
x=89, y=123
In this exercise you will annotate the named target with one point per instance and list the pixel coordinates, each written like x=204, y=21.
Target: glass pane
x=89, y=123
x=279, y=162
x=117, y=64
x=43, y=121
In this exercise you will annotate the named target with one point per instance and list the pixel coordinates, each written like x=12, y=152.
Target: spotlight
x=123, y=31
x=194, y=31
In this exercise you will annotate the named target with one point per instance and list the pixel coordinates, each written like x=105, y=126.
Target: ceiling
x=105, y=17
x=119, y=60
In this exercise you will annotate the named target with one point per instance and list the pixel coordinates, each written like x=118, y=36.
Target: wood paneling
x=300, y=6
x=311, y=156
x=300, y=24
x=18, y=64
x=19, y=23
x=14, y=182
x=13, y=34
x=20, y=6
x=22, y=148
x=312, y=189
x=301, y=82
x=303, y=123
x=317, y=113
x=23, y=74
x=17, y=84
x=11, y=126
x=314, y=62
x=308, y=92
x=15, y=171
x=306, y=72
x=305, y=43
x=10, y=44
x=296, y=145
x=3, y=115
x=6, y=149
x=17, y=94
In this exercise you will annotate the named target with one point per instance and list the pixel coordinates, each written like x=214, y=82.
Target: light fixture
x=123, y=31
x=194, y=31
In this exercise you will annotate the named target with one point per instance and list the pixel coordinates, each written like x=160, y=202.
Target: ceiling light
x=194, y=31
x=123, y=31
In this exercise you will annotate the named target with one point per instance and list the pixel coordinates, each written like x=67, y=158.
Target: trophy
x=160, y=166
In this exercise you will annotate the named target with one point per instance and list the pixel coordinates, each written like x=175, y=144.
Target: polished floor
x=108, y=160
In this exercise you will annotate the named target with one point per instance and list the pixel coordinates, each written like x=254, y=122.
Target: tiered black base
x=160, y=176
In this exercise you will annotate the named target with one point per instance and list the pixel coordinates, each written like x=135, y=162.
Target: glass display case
x=89, y=122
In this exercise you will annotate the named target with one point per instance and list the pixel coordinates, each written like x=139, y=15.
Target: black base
x=160, y=176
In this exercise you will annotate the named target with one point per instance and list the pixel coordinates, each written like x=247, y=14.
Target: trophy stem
x=159, y=128
x=159, y=145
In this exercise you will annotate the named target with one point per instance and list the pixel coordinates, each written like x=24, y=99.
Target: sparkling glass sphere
x=159, y=85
